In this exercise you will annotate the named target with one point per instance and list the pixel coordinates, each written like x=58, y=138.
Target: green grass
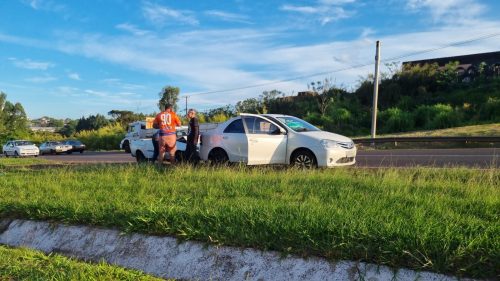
x=24, y=264
x=442, y=220
x=23, y=161
x=475, y=130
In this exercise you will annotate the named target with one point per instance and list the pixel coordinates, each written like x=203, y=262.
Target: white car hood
x=27, y=147
x=322, y=135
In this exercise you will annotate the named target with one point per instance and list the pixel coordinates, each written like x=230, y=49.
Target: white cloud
x=229, y=17
x=74, y=76
x=325, y=11
x=29, y=64
x=449, y=11
x=132, y=29
x=45, y=5
x=161, y=15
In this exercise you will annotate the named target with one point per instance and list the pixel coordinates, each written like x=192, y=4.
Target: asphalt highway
x=470, y=157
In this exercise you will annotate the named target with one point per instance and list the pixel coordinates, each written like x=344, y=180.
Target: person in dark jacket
x=192, y=138
x=156, y=146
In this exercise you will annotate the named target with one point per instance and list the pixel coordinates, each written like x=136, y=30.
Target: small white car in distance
x=54, y=147
x=275, y=139
x=20, y=148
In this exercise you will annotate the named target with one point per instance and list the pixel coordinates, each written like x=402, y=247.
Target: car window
x=296, y=124
x=236, y=127
x=257, y=125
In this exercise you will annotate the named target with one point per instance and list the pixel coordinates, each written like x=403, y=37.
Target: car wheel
x=5, y=153
x=304, y=159
x=69, y=152
x=179, y=156
x=81, y=151
x=140, y=157
x=126, y=147
x=218, y=157
x=16, y=154
x=52, y=151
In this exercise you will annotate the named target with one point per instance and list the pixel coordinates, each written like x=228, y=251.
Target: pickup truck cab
x=275, y=139
x=137, y=130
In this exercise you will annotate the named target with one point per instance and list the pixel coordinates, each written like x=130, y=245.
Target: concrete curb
x=168, y=258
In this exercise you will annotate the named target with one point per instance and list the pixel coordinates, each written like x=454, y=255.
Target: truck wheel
x=140, y=157
x=218, y=157
x=304, y=159
x=126, y=147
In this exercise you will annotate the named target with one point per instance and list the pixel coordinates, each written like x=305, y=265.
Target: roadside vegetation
x=23, y=162
x=442, y=220
x=474, y=130
x=24, y=264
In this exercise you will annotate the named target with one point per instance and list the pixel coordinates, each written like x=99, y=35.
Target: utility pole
x=375, y=91
x=186, y=105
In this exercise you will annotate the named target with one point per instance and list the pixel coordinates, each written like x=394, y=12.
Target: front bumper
x=336, y=157
x=29, y=153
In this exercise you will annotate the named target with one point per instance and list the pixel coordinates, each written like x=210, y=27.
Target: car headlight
x=329, y=144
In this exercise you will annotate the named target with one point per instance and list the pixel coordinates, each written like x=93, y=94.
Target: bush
x=106, y=138
x=445, y=117
x=395, y=120
x=491, y=109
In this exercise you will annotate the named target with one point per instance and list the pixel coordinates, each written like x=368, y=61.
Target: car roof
x=271, y=115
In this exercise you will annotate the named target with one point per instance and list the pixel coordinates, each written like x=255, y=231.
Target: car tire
x=16, y=154
x=218, y=157
x=5, y=154
x=139, y=156
x=303, y=159
x=69, y=152
x=52, y=151
x=179, y=157
x=126, y=146
x=81, y=151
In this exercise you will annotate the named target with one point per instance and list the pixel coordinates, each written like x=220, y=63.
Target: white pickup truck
x=275, y=139
x=137, y=130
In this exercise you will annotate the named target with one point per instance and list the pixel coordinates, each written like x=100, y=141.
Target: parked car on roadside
x=54, y=147
x=76, y=146
x=275, y=139
x=19, y=148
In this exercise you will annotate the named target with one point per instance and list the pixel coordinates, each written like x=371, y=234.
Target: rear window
x=236, y=127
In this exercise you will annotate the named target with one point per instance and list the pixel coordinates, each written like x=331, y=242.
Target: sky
x=68, y=59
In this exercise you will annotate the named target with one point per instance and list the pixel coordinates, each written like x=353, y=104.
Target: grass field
x=442, y=220
x=23, y=161
x=24, y=264
x=475, y=130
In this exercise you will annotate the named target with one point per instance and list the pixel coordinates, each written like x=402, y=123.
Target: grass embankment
x=23, y=161
x=475, y=130
x=24, y=264
x=442, y=220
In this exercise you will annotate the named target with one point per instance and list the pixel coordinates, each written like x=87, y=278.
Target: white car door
x=234, y=141
x=266, y=142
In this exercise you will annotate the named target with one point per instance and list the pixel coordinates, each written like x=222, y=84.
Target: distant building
x=468, y=65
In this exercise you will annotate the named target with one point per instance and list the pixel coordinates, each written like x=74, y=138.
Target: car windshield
x=18, y=143
x=296, y=124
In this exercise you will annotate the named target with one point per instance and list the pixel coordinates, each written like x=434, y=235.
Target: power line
x=458, y=43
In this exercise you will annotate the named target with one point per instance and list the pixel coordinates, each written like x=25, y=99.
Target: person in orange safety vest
x=166, y=121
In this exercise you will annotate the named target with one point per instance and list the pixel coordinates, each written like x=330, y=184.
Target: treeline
x=13, y=120
x=410, y=98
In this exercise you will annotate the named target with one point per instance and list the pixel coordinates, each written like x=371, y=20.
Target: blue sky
x=76, y=58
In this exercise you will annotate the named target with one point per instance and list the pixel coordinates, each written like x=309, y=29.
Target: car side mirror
x=282, y=132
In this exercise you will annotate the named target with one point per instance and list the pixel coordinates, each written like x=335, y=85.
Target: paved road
x=475, y=157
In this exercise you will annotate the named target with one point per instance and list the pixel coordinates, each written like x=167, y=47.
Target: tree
x=124, y=117
x=169, y=95
x=249, y=106
x=93, y=122
x=324, y=96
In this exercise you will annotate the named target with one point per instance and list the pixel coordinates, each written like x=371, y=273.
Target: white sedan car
x=275, y=139
x=54, y=147
x=20, y=148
